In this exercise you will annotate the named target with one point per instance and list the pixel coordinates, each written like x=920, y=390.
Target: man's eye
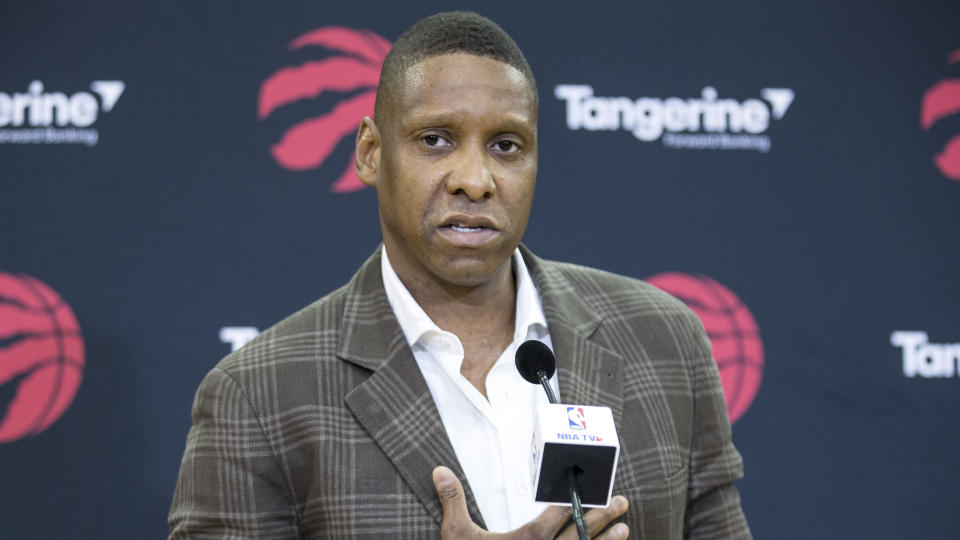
x=507, y=146
x=435, y=140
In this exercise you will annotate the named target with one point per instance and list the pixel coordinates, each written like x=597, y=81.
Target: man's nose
x=472, y=176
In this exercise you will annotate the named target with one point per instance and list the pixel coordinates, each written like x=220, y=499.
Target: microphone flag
x=574, y=436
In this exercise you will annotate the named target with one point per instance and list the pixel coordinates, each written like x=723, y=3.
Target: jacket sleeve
x=231, y=482
x=713, y=502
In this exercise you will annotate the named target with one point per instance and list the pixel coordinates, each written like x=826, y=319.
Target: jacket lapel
x=589, y=373
x=394, y=404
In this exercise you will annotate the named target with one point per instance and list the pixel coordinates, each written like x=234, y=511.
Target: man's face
x=458, y=163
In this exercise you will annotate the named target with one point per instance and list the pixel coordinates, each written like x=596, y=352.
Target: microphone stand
x=542, y=375
x=571, y=472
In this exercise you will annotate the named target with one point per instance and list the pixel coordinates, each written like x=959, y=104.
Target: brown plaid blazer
x=323, y=426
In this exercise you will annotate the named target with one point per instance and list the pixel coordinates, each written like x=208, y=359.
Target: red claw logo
x=940, y=101
x=308, y=144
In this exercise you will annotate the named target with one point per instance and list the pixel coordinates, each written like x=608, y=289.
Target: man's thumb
x=456, y=519
x=449, y=490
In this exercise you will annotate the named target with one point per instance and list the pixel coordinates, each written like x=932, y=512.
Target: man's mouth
x=469, y=231
x=463, y=222
x=465, y=228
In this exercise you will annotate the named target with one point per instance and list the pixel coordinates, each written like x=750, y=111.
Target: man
x=360, y=415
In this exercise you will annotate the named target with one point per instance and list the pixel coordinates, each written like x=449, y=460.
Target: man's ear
x=367, y=155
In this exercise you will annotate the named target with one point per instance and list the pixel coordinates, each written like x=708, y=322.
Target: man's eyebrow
x=504, y=123
x=417, y=121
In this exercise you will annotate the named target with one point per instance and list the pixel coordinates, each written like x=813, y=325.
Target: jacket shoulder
x=603, y=290
x=312, y=330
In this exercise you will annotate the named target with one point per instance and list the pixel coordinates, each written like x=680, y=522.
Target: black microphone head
x=532, y=356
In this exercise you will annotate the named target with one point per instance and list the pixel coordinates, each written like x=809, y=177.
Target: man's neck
x=460, y=309
x=483, y=317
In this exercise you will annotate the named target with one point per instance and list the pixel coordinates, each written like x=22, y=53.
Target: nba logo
x=576, y=418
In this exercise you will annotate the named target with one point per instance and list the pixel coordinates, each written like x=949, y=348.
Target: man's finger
x=547, y=524
x=598, y=518
x=618, y=532
x=448, y=487
x=456, y=518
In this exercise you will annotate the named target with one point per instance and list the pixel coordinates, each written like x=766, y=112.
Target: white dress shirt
x=491, y=436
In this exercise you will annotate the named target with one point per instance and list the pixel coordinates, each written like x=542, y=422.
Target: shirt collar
x=416, y=324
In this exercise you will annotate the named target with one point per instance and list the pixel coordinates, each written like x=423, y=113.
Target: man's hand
x=457, y=524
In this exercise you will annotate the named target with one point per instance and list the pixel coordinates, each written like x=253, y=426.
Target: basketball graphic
x=940, y=101
x=733, y=333
x=353, y=70
x=41, y=357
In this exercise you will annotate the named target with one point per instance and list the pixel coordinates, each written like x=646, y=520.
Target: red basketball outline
x=940, y=101
x=725, y=304
x=52, y=306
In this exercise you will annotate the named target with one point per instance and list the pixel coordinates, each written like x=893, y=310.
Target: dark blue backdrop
x=166, y=230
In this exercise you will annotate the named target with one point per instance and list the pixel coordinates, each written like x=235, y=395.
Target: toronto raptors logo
x=940, y=101
x=733, y=334
x=41, y=357
x=352, y=69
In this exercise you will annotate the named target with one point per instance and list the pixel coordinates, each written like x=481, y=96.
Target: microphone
x=536, y=364
x=575, y=447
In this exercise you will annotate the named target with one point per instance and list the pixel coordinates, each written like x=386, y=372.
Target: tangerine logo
x=354, y=67
x=41, y=116
x=41, y=357
x=707, y=122
x=940, y=101
x=733, y=334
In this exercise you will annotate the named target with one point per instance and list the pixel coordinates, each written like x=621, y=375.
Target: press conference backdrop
x=176, y=176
